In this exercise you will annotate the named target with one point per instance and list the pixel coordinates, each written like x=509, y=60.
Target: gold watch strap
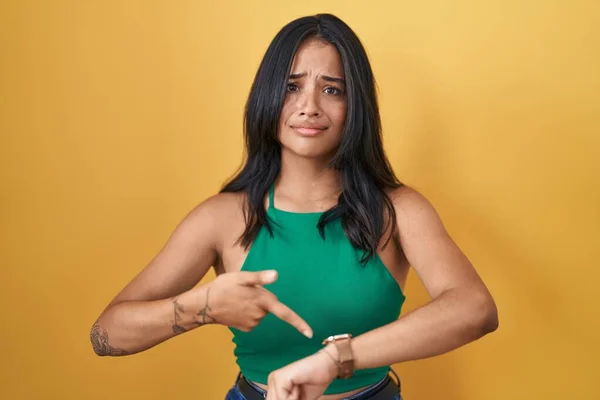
x=346, y=358
x=345, y=355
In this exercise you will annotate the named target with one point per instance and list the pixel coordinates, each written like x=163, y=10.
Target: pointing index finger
x=286, y=314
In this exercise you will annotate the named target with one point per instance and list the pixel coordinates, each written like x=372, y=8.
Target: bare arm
x=462, y=309
x=161, y=301
x=164, y=301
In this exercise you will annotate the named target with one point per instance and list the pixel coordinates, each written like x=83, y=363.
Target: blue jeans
x=235, y=394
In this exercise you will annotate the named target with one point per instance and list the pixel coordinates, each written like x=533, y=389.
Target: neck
x=306, y=179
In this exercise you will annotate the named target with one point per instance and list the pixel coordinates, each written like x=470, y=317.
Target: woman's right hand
x=238, y=300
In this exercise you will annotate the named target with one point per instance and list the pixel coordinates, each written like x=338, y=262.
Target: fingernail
x=308, y=334
x=271, y=275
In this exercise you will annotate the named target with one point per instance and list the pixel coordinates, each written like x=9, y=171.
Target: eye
x=333, y=90
x=292, y=87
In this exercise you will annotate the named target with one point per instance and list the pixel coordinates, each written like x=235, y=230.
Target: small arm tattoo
x=204, y=314
x=99, y=339
x=205, y=317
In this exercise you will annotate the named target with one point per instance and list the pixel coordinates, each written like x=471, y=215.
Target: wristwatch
x=346, y=358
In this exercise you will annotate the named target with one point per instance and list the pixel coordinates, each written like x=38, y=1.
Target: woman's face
x=314, y=110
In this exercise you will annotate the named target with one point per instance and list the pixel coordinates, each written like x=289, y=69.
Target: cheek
x=285, y=115
x=337, y=116
x=342, y=116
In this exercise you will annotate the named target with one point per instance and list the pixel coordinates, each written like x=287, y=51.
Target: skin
x=145, y=313
x=315, y=97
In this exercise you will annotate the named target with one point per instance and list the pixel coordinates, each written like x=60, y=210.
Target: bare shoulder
x=414, y=212
x=222, y=204
x=204, y=226
x=216, y=209
x=404, y=192
x=228, y=224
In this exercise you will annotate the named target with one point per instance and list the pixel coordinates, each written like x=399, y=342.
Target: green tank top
x=323, y=281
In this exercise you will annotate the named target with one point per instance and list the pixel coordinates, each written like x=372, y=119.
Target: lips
x=309, y=130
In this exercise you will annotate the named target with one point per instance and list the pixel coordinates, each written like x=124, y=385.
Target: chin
x=312, y=151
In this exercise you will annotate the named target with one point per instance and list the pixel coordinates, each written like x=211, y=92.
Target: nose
x=309, y=104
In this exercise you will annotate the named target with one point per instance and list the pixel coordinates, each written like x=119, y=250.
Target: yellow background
x=117, y=117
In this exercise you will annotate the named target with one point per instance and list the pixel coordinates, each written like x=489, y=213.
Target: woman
x=311, y=242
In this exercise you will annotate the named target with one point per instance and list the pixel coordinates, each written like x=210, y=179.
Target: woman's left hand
x=305, y=379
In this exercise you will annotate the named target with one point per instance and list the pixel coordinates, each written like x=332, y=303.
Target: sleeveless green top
x=323, y=281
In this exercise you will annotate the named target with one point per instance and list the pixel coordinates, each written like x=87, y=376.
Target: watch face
x=343, y=336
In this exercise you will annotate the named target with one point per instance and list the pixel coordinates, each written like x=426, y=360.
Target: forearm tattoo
x=99, y=339
x=204, y=315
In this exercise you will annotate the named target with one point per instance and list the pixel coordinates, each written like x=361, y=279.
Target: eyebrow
x=324, y=77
